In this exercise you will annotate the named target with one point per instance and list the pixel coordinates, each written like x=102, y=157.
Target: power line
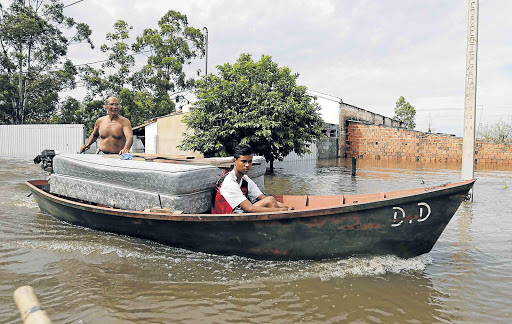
x=92, y=62
x=444, y=109
x=69, y=5
x=102, y=61
x=95, y=62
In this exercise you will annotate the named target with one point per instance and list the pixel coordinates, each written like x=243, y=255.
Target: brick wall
x=352, y=113
x=389, y=143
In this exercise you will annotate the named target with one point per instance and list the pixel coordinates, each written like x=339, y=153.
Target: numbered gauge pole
x=468, y=144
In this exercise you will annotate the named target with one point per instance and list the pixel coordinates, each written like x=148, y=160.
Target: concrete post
x=29, y=306
x=468, y=144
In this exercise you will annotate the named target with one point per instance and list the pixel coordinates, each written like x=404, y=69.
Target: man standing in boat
x=235, y=191
x=114, y=130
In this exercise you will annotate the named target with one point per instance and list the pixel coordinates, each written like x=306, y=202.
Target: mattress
x=259, y=166
x=128, y=198
x=260, y=182
x=140, y=185
x=168, y=178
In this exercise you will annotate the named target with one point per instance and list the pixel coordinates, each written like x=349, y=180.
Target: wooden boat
x=405, y=223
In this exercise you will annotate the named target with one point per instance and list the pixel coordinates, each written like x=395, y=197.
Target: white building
x=330, y=106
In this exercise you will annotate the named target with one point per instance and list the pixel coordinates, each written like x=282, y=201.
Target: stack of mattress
x=139, y=185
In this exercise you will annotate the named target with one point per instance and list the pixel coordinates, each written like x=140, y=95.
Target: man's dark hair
x=242, y=149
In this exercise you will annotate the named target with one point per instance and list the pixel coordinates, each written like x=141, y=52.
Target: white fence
x=30, y=140
x=295, y=158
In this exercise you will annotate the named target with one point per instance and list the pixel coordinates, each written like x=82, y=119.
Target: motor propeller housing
x=45, y=160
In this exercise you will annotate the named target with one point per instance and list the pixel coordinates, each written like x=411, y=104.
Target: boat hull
x=404, y=226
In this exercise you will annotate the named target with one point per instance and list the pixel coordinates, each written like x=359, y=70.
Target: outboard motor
x=45, y=159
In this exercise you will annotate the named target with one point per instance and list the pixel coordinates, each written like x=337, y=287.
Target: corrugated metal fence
x=30, y=140
x=295, y=158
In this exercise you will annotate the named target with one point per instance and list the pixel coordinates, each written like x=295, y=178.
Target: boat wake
x=180, y=265
x=373, y=266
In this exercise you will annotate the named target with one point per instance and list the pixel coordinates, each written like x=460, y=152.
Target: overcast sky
x=367, y=52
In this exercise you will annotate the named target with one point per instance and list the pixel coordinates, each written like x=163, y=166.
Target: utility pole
x=468, y=142
x=206, y=51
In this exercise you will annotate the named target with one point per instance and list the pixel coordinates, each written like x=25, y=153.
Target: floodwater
x=85, y=276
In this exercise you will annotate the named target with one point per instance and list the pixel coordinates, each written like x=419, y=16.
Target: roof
x=137, y=130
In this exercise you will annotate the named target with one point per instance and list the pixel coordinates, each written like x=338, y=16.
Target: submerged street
x=81, y=275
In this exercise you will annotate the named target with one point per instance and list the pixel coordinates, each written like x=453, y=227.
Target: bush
x=500, y=131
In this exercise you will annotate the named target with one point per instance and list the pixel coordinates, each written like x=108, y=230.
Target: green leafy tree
x=121, y=61
x=70, y=112
x=405, y=112
x=95, y=82
x=138, y=106
x=146, y=93
x=168, y=48
x=90, y=112
x=33, y=69
x=120, y=58
x=258, y=103
x=101, y=84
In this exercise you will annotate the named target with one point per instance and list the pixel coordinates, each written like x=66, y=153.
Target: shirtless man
x=115, y=131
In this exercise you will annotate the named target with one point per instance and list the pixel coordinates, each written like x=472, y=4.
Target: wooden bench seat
x=324, y=201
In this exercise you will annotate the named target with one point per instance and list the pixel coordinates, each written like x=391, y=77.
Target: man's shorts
x=100, y=152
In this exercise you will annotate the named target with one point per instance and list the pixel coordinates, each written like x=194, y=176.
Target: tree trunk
x=25, y=81
x=19, y=113
x=271, y=170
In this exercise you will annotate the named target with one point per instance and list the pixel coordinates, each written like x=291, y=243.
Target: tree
x=500, y=131
x=138, y=106
x=405, y=112
x=120, y=59
x=70, y=112
x=146, y=93
x=258, y=103
x=168, y=49
x=100, y=83
x=33, y=44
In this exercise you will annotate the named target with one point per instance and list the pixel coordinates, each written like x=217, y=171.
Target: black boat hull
x=405, y=226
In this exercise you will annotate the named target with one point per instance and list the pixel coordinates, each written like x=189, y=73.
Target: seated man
x=235, y=190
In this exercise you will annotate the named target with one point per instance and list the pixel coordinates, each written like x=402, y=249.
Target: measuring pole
x=468, y=141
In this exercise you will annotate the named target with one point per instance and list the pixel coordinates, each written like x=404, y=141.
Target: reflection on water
x=87, y=276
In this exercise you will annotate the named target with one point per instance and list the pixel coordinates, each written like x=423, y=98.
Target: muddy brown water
x=85, y=276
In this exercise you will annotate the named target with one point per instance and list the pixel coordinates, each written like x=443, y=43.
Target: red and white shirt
x=230, y=194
